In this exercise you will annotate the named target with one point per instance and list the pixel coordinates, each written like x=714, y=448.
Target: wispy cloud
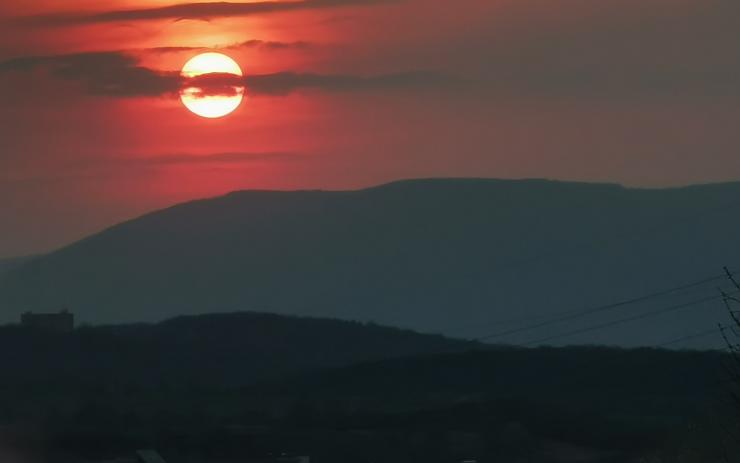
x=284, y=83
x=193, y=11
x=269, y=45
x=273, y=45
x=89, y=167
x=100, y=73
x=215, y=158
x=119, y=74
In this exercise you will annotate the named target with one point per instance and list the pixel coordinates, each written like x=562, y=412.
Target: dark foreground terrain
x=242, y=387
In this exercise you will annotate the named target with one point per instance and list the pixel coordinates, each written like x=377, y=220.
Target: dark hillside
x=438, y=256
x=217, y=350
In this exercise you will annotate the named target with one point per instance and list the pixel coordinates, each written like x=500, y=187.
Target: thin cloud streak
x=216, y=158
x=118, y=74
x=91, y=166
x=270, y=45
x=191, y=11
x=100, y=73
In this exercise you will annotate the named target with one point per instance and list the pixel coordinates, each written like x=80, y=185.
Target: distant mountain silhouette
x=449, y=256
x=216, y=350
x=7, y=265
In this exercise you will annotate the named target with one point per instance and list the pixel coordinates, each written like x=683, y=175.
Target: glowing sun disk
x=211, y=106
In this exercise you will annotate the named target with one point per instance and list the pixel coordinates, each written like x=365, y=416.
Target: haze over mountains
x=459, y=257
x=7, y=265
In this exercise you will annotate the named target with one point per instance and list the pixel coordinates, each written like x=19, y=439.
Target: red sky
x=350, y=93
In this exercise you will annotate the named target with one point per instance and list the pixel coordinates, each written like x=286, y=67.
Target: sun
x=211, y=106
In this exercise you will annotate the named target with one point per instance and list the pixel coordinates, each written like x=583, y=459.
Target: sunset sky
x=350, y=93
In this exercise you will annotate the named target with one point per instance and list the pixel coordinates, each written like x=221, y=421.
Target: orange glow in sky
x=347, y=94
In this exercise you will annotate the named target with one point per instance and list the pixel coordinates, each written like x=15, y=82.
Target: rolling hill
x=459, y=257
x=225, y=386
x=545, y=404
x=215, y=350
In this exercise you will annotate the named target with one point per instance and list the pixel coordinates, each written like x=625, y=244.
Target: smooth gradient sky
x=350, y=93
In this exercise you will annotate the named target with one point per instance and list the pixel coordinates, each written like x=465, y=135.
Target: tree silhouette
x=731, y=335
x=732, y=302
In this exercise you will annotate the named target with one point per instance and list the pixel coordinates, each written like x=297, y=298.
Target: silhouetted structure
x=62, y=322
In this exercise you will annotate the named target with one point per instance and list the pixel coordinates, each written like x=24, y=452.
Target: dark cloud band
x=253, y=44
x=120, y=75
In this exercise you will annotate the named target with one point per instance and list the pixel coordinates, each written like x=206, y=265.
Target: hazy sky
x=349, y=93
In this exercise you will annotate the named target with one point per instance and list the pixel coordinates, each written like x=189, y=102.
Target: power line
x=620, y=321
x=702, y=334
x=573, y=314
x=649, y=231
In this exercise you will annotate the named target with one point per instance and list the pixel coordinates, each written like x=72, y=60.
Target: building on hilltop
x=61, y=322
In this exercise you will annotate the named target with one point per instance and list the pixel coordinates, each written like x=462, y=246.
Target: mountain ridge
x=447, y=181
x=440, y=255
